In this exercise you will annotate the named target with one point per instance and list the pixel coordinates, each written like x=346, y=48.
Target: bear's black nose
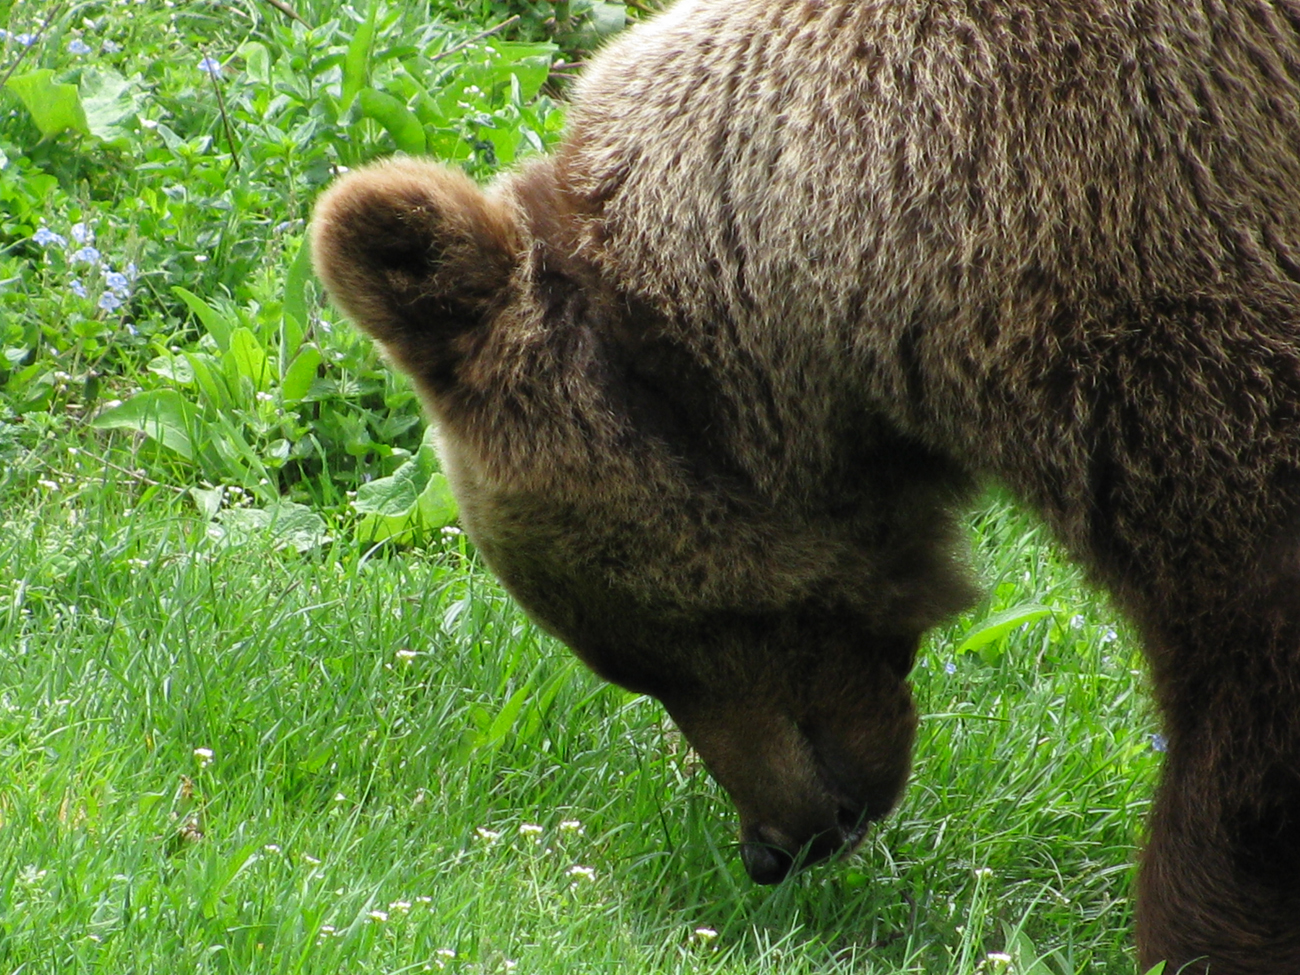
x=765, y=864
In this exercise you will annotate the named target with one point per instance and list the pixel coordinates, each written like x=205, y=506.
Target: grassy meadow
x=262, y=709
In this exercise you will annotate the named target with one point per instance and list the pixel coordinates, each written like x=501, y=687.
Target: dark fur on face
x=711, y=381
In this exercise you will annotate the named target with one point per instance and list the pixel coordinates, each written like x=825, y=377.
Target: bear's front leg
x=1219, y=882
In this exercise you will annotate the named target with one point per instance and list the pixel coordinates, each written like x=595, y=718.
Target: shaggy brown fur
x=712, y=380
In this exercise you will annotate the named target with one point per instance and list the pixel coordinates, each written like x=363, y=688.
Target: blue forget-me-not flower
x=116, y=281
x=45, y=237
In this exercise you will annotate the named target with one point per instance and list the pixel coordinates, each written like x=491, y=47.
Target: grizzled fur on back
x=713, y=379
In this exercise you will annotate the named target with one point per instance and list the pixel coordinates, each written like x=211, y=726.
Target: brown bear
x=714, y=379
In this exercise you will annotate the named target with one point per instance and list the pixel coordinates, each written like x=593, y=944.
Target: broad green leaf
x=170, y=139
x=217, y=325
x=426, y=110
x=505, y=719
x=433, y=508
x=173, y=367
x=109, y=103
x=257, y=61
x=228, y=449
x=541, y=702
x=162, y=414
x=399, y=121
x=608, y=18
x=300, y=375
x=1000, y=624
x=288, y=524
x=294, y=322
x=208, y=500
x=207, y=374
x=317, y=758
x=530, y=64
x=248, y=359
x=55, y=107
x=436, y=504
x=1026, y=959
x=395, y=495
x=448, y=146
x=356, y=63
x=505, y=143
x=414, y=499
x=516, y=51
x=487, y=731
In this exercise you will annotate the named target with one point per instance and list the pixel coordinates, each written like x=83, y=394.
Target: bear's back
x=859, y=166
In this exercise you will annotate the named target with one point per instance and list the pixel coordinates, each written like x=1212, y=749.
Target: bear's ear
x=415, y=254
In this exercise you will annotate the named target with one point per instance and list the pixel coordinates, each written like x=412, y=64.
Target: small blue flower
x=45, y=237
x=950, y=668
x=132, y=272
x=211, y=65
x=87, y=255
x=1159, y=743
x=77, y=288
x=109, y=47
x=78, y=46
x=82, y=233
x=26, y=40
x=117, y=283
x=109, y=301
x=1110, y=636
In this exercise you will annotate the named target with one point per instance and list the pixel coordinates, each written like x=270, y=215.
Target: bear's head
x=639, y=494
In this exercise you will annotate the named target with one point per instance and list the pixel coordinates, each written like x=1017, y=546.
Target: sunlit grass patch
x=237, y=756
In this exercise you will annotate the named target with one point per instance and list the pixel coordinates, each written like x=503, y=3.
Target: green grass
x=372, y=801
x=236, y=736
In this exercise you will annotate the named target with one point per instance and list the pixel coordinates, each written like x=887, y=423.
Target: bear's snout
x=770, y=854
x=805, y=792
x=765, y=863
